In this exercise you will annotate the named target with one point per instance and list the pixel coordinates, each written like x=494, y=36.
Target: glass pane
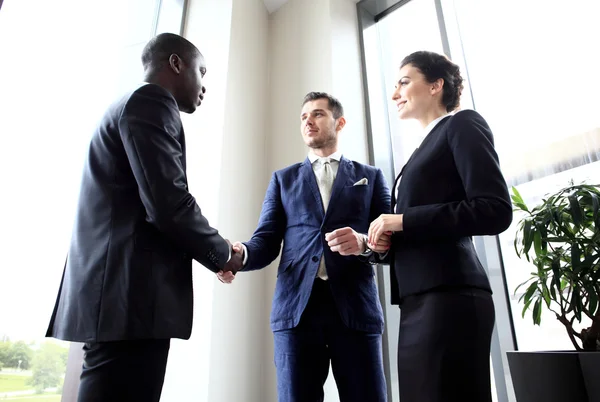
x=532, y=84
x=56, y=79
x=530, y=72
x=412, y=27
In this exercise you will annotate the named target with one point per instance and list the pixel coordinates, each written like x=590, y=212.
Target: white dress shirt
x=335, y=158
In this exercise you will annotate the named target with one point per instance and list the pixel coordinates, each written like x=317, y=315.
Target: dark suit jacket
x=128, y=273
x=293, y=212
x=450, y=190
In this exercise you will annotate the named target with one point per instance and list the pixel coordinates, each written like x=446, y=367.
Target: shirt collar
x=336, y=156
x=432, y=125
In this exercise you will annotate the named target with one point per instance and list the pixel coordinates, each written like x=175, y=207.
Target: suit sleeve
x=486, y=209
x=382, y=200
x=149, y=125
x=380, y=204
x=265, y=244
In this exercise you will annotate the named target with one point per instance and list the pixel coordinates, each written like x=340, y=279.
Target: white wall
x=314, y=47
x=241, y=310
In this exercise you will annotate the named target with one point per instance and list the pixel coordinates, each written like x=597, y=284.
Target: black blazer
x=450, y=190
x=128, y=274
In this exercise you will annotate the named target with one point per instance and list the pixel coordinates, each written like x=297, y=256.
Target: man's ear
x=341, y=122
x=175, y=63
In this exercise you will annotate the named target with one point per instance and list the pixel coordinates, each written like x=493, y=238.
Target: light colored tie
x=325, y=181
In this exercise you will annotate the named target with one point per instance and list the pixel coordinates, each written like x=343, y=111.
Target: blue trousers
x=303, y=355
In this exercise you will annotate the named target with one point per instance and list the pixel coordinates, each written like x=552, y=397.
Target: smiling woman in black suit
x=450, y=190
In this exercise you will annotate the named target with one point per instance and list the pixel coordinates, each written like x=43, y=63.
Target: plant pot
x=590, y=368
x=547, y=377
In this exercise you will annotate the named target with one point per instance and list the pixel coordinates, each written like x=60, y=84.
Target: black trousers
x=123, y=371
x=444, y=346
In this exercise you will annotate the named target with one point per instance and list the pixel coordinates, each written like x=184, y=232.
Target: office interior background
x=530, y=69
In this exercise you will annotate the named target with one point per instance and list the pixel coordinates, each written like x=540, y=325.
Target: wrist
x=366, y=251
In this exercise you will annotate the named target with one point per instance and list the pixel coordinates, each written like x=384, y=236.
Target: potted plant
x=561, y=239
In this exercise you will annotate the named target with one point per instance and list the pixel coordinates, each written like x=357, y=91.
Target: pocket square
x=362, y=182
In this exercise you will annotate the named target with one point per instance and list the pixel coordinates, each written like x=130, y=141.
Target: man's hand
x=346, y=241
x=236, y=262
x=383, y=243
x=225, y=275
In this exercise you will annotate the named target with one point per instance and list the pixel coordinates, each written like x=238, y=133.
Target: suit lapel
x=345, y=170
x=398, y=179
x=307, y=173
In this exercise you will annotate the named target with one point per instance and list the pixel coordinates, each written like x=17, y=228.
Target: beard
x=327, y=140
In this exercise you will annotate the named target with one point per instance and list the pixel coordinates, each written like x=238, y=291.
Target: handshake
x=235, y=263
x=345, y=241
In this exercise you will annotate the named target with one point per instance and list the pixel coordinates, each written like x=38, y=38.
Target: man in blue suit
x=326, y=306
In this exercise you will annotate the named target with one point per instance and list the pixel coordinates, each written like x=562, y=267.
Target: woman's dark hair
x=435, y=66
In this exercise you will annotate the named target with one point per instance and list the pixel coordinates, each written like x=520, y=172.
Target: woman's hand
x=385, y=223
x=383, y=243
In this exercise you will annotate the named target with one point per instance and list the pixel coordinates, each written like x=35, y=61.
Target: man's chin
x=188, y=109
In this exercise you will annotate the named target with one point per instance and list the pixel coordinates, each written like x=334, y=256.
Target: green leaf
x=537, y=243
x=576, y=258
x=576, y=305
x=527, y=237
x=525, y=308
x=575, y=210
x=537, y=312
x=595, y=205
x=530, y=291
x=592, y=299
x=555, y=266
x=516, y=197
x=546, y=294
x=521, y=207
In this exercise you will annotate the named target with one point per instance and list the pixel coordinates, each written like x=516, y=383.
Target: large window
x=63, y=62
x=529, y=69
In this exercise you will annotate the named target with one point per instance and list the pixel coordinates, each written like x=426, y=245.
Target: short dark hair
x=158, y=50
x=334, y=105
x=435, y=66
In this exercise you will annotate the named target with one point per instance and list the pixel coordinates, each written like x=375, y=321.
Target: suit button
x=315, y=258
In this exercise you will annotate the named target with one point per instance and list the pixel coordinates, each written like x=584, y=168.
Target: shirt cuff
x=383, y=256
x=245, y=255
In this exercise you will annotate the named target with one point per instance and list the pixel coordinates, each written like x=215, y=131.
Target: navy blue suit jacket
x=293, y=212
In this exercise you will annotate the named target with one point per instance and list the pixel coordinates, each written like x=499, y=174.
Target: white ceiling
x=273, y=5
